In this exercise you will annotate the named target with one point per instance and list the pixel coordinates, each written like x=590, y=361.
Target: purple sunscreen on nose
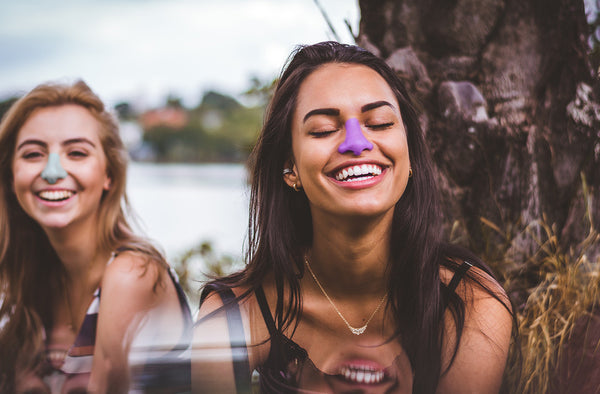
x=355, y=140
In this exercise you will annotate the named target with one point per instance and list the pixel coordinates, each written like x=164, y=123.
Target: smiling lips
x=358, y=173
x=55, y=195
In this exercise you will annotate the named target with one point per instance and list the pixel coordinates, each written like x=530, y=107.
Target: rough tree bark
x=511, y=112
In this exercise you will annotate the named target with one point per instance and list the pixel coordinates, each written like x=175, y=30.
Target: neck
x=351, y=255
x=84, y=263
x=80, y=254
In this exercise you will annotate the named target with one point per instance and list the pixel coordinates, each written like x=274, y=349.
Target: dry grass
x=556, y=289
x=568, y=290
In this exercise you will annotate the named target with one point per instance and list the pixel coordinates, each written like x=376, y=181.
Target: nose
x=355, y=140
x=53, y=170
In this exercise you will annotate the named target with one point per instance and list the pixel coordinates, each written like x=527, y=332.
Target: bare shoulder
x=217, y=320
x=213, y=303
x=138, y=304
x=138, y=297
x=133, y=274
x=475, y=287
x=480, y=359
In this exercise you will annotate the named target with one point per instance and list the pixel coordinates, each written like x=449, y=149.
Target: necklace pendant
x=358, y=331
x=355, y=331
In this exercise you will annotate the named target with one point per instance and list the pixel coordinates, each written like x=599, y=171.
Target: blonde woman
x=83, y=299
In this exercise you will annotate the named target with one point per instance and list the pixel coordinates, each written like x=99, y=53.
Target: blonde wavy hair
x=30, y=272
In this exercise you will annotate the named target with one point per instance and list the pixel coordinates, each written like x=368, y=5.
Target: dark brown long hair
x=280, y=224
x=30, y=271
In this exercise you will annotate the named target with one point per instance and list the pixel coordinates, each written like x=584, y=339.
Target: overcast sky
x=143, y=50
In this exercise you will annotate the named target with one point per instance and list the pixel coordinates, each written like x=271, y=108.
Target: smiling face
x=71, y=135
x=349, y=145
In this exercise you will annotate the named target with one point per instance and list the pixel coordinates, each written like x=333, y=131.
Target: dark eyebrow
x=376, y=104
x=77, y=141
x=322, y=111
x=336, y=112
x=31, y=142
x=64, y=143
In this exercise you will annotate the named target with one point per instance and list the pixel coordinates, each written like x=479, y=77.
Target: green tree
x=6, y=104
x=220, y=129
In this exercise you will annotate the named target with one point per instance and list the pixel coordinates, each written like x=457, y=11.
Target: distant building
x=171, y=117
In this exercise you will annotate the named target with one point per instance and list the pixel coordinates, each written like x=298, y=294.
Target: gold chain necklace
x=354, y=330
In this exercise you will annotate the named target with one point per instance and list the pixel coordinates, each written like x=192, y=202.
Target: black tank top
x=287, y=360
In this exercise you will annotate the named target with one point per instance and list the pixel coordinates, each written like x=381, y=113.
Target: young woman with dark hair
x=348, y=286
x=82, y=298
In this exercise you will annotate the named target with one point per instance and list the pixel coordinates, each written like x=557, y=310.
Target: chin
x=367, y=210
x=54, y=223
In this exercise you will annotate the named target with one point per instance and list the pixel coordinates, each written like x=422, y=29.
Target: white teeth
x=361, y=375
x=364, y=171
x=55, y=195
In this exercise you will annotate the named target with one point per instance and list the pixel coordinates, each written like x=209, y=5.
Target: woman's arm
x=212, y=355
x=136, y=302
x=484, y=344
x=226, y=346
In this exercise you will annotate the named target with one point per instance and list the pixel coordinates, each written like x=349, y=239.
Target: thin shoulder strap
x=458, y=275
x=186, y=335
x=266, y=312
x=237, y=341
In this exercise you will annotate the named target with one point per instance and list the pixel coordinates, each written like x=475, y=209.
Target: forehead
x=342, y=85
x=60, y=122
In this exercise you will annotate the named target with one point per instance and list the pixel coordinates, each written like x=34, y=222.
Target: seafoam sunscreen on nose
x=53, y=170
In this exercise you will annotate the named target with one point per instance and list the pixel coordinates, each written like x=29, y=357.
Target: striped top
x=77, y=363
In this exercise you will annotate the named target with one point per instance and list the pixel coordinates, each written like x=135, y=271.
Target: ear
x=107, y=183
x=290, y=175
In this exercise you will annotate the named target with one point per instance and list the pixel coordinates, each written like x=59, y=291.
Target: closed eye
x=380, y=126
x=78, y=154
x=321, y=134
x=32, y=155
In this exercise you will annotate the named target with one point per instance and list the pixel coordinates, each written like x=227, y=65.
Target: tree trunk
x=510, y=112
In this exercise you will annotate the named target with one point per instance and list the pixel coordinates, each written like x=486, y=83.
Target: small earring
x=296, y=187
x=410, y=172
x=287, y=171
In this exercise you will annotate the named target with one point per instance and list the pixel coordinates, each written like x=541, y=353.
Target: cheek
x=310, y=164
x=21, y=177
x=20, y=186
x=398, y=148
x=91, y=173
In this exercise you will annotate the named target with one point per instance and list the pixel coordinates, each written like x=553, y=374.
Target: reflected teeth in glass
x=362, y=375
x=362, y=172
x=54, y=195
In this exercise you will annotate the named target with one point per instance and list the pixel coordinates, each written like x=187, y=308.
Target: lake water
x=181, y=205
